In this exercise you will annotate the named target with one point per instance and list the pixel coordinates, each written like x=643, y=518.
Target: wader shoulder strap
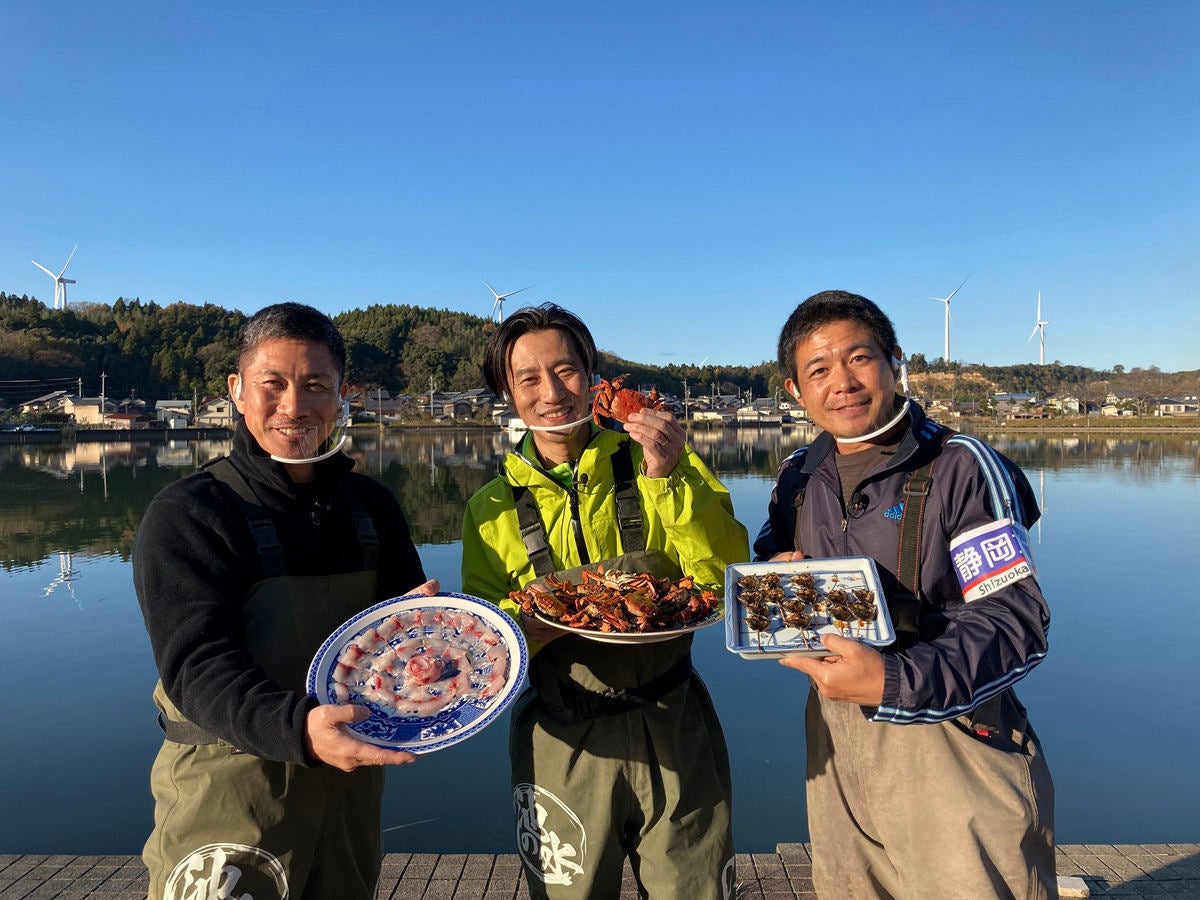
x=629, y=504
x=908, y=551
x=533, y=535
x=916, y=492
x=814, y=454
x=797, y=505
x=629, y=514
x=906, y=608
x=368, y=538
x=266, y=539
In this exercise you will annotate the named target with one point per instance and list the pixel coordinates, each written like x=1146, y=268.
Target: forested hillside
x=178, y=350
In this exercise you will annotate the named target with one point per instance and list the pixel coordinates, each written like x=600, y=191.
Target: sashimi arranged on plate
x=432, y=671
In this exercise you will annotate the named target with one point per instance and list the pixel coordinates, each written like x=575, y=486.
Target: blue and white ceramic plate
x=777, y=638
x=432, y=671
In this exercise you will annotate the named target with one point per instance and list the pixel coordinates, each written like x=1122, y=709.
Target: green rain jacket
x=688, y=515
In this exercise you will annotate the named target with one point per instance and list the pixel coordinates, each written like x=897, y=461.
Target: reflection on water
x=1120, y=518
x=89, y=498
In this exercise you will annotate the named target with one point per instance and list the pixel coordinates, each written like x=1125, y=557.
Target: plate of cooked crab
x=621, y=607
x=781, y=608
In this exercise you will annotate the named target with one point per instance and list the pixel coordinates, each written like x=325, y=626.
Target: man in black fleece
x=242, y=570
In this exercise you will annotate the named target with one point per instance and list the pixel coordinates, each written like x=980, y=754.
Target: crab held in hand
x=615, y=402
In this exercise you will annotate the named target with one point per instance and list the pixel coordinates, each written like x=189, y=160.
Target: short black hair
x=823, y=309
x=528, y=320
x=293, y=321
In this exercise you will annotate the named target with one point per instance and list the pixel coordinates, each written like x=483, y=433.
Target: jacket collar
x=522, y=467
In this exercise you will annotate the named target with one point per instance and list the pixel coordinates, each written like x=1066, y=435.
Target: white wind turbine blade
x=946, y=301
x=44, y=269
x=68, y=262
x=499, y=296
x=1032, y=333
x=510, y=293
x=957, y=289
x=498, y=307
x=952, y=293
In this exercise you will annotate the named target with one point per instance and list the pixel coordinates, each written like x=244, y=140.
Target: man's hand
x=429, y=588
x=539, y=630
x=661, y=437
x=853, y=675
x=328, y=740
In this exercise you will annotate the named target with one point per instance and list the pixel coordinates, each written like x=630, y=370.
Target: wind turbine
x=60, y=283
x=946, y=300
x=1041, y=323
x=498, y=306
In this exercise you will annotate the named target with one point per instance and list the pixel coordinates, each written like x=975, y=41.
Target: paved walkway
x=1128, y=871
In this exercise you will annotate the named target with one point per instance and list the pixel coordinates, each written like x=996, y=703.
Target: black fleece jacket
x=194, y=561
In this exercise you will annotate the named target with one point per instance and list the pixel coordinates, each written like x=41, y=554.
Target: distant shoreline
x=1074, y=427
x=1151, y=427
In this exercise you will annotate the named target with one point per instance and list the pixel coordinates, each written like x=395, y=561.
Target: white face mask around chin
x=328, y=447
x=565, y=427
x=896, y=419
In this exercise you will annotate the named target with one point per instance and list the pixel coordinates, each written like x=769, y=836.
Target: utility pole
x=103, y=376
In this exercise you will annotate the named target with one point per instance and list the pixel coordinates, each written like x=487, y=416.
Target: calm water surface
x=1112, y=702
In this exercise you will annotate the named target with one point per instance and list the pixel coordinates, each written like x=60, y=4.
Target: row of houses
x=129, y=413
x=1038, y=406
x=482, y=404
x=219, y=412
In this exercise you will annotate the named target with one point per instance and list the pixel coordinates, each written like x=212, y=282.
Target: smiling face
x=549, y=386
x=289, y=393
x=846, y=380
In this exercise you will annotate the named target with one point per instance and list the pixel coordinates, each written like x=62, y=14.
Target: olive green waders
x=969, y=827
x=617, y=752
x=228, y=823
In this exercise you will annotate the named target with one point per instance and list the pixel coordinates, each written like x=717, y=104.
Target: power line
x=21, y=390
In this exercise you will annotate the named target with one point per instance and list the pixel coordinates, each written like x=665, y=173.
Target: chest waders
x=916, y=810
x=230, y=821
x=616, y=750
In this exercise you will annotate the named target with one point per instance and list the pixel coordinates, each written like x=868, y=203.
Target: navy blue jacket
x=965, y=652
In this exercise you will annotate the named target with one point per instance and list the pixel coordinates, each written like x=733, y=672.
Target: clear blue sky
x=680, y=174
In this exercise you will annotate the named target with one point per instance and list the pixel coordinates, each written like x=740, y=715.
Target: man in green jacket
x=616, y=749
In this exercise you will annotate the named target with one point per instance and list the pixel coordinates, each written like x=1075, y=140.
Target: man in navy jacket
x=924, y=778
